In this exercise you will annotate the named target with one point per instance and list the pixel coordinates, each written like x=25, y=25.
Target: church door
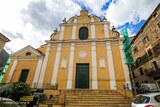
x=24, y=75
x=82, y=76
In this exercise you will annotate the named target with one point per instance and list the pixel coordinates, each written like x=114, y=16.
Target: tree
x=15, y=90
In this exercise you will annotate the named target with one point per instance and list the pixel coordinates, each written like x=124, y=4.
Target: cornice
x=79, y=24
x=27, y=57
x=85, y=41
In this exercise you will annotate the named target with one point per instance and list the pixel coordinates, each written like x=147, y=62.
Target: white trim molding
x=106, y=32
x=37, y=73
x=71, y=59
x=56, y=64
x=70, y=70
x=111, y=67
x=94, y=67
x=12, y=70
x=42, y=73
x=57, y=60
x=94, y=56
x=110, y=59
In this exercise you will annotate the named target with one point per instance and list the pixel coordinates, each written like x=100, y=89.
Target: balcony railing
x=152, y=72
x=45, y=86
x=145, y=58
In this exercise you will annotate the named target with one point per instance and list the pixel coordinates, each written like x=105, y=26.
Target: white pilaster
x=92, y=18
x=71, y=60
x=125, y=66
x=106, y=32
x=111, y=67
x=94, y=67
x=44, y=65
x=93, y=35
x=110, y=60
x=94, y=56
x=37, y=73
x=56, y=64
x=70, y=70
x=12, y=70
x=61, y=33
x=57, y=60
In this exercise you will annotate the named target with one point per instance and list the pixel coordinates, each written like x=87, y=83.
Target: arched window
x=83, y=33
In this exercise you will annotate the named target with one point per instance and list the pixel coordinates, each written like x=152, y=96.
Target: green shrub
x=15, y=90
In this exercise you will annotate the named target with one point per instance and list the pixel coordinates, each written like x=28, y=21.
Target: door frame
x=22, y=73
x=86, y=71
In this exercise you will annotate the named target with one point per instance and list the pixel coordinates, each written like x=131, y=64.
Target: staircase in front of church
x=93, y=98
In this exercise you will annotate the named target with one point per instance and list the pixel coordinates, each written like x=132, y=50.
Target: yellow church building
x=84, y=54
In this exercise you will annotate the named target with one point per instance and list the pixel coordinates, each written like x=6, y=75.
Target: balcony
x=156, y=50
x=145, y=58
x=152, y=72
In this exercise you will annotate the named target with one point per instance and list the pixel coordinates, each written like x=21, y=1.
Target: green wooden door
x=82, y=76
x=24, y=75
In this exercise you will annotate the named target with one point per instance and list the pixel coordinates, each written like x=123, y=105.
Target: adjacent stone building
x=3, y=59
x=85, y=53
x=3, y=41
x=146, y=51
x=3, y=54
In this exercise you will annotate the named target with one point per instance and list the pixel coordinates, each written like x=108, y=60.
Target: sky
x=31, y=22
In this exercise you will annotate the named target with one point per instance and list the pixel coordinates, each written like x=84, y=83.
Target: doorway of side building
x=82, y=76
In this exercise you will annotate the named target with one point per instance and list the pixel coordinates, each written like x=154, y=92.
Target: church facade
x=84, y=54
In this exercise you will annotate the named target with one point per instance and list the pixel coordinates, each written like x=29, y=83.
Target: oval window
x=28, y=53
x=83, y=33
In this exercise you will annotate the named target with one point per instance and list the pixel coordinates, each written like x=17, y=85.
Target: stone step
x=98, y=99
x=89, y=91
x=88, y=97
x=91, y=98
x=96, y=102
x=98, y=105
x=107, y=96
x=92, y=94
x=94, y=99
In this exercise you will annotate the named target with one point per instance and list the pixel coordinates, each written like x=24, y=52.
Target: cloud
x=19, y=35
x=94, y=5
x=11, y=35
x=28, y=22
x=45, y=15
x=132, y=11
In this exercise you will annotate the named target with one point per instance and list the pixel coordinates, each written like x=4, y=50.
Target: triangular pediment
x=27, y=52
